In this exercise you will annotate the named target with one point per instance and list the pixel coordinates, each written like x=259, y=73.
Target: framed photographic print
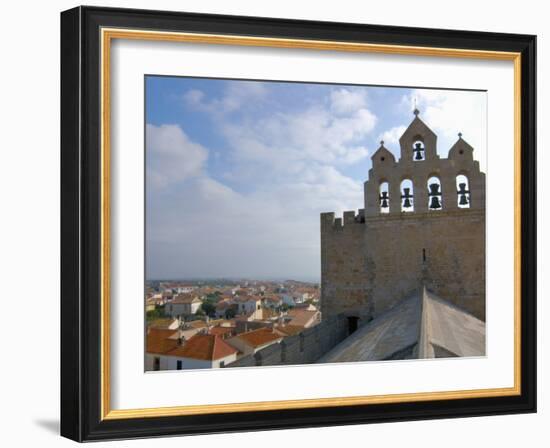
x=273, y=223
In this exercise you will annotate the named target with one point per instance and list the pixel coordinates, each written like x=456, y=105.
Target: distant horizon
x=238, y=172
x=232, y=279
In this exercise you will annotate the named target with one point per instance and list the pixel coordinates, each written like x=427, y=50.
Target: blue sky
x=237, y=172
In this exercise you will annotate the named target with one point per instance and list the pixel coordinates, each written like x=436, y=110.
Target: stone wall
x=344, y=277
x=304, y=348
x=369, y=267
x=372, y=260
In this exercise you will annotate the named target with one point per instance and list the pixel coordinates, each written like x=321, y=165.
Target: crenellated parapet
x=330, y=222
x=423, y=223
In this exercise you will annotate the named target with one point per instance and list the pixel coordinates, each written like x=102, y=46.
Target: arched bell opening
x=384, y=196
x=407, y=196
x=435, y=197
x=463, y=191
x=419, y=150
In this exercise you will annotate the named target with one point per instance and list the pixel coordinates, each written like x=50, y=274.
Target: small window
x=222, y=364
x=384, y=195
x=434, y=194
x=463, y=191
x=407, y=196
x=179, y=365
x=156, y=363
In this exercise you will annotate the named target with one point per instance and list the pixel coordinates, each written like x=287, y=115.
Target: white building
x=183, y=305
x=248, y=304
x=202, y=351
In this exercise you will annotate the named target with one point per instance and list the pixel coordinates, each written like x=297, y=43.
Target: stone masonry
x=430, y=235
x=303, y=348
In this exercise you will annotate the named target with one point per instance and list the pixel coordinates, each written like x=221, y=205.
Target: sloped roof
x=289, y=330
x=163, y=323
x=159, y=342
x=417, y=126
x=383, y=151
x=459, y=145
x=220, y=331
x=203, y=346
x=186, y=298
x=421, y=326
x=302, y=317
x=256, y=338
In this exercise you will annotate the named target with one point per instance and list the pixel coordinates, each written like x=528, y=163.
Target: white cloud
x=448, y=112
x=235, y=96
x=392, y=136
x=289, y=167
x=291, y=140
x=345, y=101
x=208, y=229
x=171, y=156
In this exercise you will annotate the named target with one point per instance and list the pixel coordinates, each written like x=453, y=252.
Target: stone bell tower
x=423, y=224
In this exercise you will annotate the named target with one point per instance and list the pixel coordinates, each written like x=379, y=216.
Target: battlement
x=329, y=220
x=423, y=221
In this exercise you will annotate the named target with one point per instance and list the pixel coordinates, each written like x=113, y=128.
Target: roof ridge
x=423, y=336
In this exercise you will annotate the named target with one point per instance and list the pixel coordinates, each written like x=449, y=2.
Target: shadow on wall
x=51, y=425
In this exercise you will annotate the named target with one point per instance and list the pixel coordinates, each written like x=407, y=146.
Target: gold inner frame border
x=107, y=35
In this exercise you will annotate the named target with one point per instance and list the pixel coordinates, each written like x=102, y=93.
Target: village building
x=201, y=351
x=273, y=301
x=183, y=305
x=303, y=317
x=248, y=304
x=168, y=323
x=252, y=341
x=150, y=304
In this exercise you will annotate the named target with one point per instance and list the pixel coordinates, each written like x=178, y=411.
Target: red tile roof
x=158, y=341
x=204, y=346
x=221, y=331
x=162, y=323
x=301, y=317
x=262, y=336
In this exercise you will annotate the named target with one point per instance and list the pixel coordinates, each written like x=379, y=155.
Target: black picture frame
x=81, y=224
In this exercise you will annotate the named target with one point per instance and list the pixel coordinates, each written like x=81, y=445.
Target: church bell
x=384, y=199
x=434, y=202
x=407, y=196
x=463, y=197
x=434, y=194
x=418, y=152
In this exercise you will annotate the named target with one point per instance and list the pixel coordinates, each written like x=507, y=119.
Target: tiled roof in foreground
x=204, y=346
x=421, y=326
x=262, y=336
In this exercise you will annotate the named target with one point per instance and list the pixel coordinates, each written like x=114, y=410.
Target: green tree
x=208, y=307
